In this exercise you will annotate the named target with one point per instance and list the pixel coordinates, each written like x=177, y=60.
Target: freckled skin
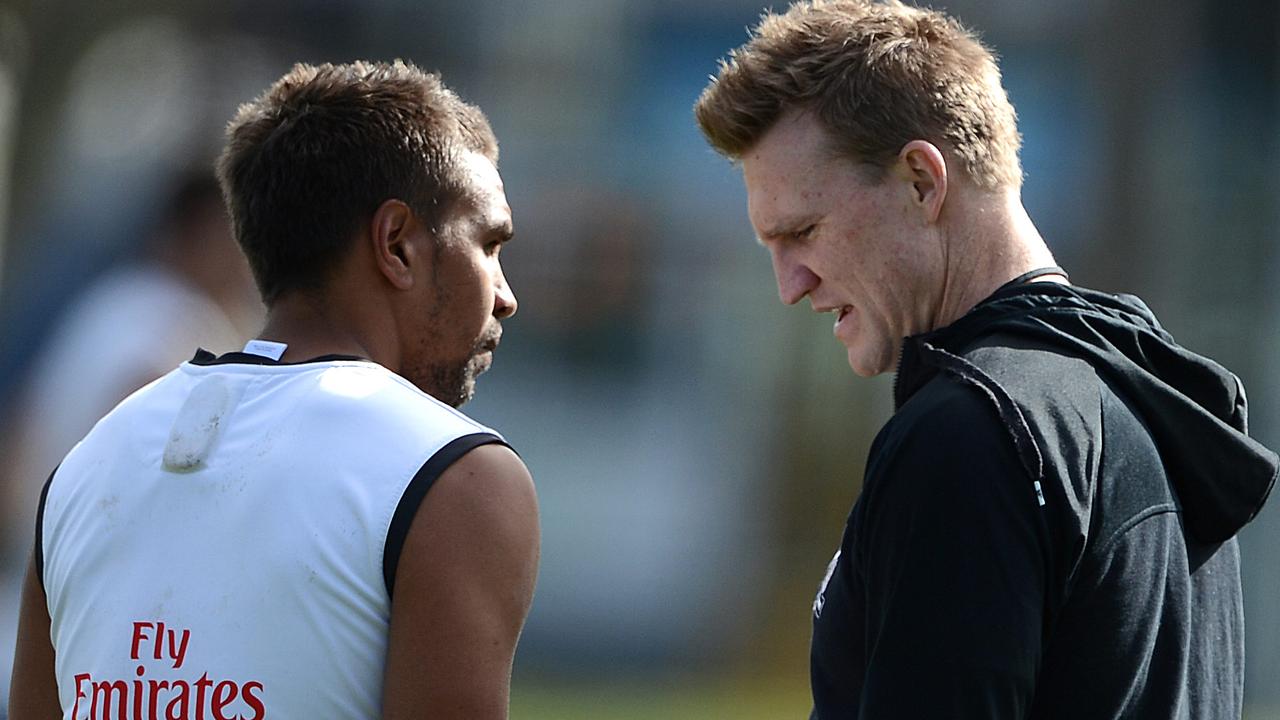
x=844, y=240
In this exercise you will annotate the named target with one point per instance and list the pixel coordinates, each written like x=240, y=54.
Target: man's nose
x=504, y=299
x=794, y=279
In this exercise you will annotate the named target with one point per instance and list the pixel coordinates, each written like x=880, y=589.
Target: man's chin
x=453, y=397
x=864, y=366
x=454, y=386
x=467, y=392
x=451, y=388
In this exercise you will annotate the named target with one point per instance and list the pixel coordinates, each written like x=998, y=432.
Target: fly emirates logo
x=143, y=698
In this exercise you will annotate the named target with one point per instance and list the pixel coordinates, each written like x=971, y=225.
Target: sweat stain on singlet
x=196, y=428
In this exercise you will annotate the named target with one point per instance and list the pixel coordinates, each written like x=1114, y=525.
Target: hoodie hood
x=1195, y=409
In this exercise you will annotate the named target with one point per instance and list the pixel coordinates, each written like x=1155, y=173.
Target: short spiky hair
x=311, y=159
x=877, y=75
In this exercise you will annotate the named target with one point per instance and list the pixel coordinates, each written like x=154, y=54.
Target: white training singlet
x=223, y=544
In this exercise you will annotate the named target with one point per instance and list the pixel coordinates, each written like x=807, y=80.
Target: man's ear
x=925, y=167
x=392, y=231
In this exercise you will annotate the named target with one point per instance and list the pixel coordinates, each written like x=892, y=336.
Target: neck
x=315, y=324
x=995, y=243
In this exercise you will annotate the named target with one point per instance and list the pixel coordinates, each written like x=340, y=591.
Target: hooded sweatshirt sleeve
x=953, y=547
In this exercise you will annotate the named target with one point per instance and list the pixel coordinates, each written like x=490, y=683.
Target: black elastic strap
x=205, y=358
x=39, y=551
x=417, y=490
x=1033, y=274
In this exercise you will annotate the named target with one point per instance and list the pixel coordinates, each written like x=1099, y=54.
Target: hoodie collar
x=1222, y=478
x=1014, y=297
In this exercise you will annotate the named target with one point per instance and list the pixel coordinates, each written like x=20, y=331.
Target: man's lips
x=491, y=344
x=839, y=310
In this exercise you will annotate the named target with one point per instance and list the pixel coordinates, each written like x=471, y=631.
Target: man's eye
x=802, y=234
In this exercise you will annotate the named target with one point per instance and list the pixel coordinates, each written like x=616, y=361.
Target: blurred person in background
x=188, y=286
x=1047, y=523
x=229, y=540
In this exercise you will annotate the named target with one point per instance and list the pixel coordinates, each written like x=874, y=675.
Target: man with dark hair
x=252, y=534
x=1047, y=523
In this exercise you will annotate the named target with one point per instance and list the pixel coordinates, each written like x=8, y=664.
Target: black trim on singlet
x=39, y=549
x=417, y=490
x=204, y=357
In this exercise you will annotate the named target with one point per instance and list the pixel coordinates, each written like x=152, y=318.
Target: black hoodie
x=1046, y=528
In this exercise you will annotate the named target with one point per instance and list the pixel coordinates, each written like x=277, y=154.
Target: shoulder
x=1052, y=409
x=390, y=388
x=948, y=443
x=1060, y=396
x=950, y=499
x=489, y=481
x=484, y=508
x=1002, y=417
x=1045, y=402
x=465, y=584
x=486, y=488
x=1039, y=376
x=945, y=421
x=369, y=396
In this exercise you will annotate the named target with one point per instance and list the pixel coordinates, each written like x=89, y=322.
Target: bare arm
x=463, y=587
x=34, y=689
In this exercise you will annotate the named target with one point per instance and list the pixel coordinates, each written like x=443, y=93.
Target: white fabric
x=260, y=551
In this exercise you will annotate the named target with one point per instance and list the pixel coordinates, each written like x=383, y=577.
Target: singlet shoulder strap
x=39, y=545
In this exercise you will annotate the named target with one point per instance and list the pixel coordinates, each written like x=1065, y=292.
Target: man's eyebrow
x=784, y=227
x=503, y=233
x=763, y=238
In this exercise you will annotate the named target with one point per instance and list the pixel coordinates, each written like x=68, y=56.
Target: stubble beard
x=455, y=383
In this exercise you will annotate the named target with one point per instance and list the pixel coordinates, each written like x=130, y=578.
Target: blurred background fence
x=696, y=445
